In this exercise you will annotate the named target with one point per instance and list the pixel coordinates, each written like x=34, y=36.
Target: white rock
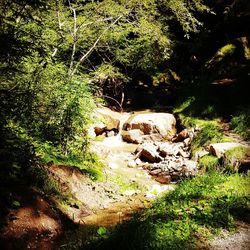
x=162, y=124
x=131, y=164
x=218, y=149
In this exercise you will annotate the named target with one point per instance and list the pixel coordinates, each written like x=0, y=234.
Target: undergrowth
x=234, y=157
x=195, y=211
x=209, y=163
x=88, y=162
x=240, y=123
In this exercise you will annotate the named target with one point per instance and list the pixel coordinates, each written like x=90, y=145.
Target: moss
x=225, y=51
x=240, y=123
x=209, y=133
x=234, y=156
x=209, y=163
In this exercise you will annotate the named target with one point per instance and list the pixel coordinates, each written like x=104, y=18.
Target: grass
x=234, y=156
x=202, y=117
x=88, y=162
x=209, y=131
x=195, y=211
x=240, y=123
x=124, y=184
x=209, y=163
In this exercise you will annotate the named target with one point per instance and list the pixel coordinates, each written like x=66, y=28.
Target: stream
x=116, y=155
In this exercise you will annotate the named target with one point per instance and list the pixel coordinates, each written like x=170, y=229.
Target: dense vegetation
x=58, y=56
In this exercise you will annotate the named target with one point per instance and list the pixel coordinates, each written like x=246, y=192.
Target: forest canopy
x=58, y=57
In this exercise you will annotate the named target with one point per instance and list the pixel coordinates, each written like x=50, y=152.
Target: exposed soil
x=240, y=240
x=34, y=224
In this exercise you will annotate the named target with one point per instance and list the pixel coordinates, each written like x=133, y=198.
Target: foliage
x=209, y=163
x=88, y=162
x=234, y=156
x=196, y=209
x=209, y=133
x=42, y=105
x=240, y=123
x=55, y=54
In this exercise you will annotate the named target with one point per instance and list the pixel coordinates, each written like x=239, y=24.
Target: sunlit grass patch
x=193, y=212
x=235, y=156
x=88, y=162
x=240, y=123
x=209, y=163
x=125, y=185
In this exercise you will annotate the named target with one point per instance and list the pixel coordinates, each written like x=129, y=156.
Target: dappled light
x=124, y=124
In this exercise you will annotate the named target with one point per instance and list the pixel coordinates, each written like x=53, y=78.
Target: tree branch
x=85, y=56
x=74, y=34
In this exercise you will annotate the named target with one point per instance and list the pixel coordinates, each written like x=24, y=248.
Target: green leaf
x=102, y=231
x=16, y=204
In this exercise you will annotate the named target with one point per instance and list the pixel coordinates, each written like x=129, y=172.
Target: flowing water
x=116, y=154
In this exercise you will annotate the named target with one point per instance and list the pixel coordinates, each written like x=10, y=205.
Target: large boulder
x=133, y=136
x=148, y=152
x=156, y=126
x=219, y=149
x=105, y=120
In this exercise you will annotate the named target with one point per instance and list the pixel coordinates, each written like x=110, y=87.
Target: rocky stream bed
x=144, y=156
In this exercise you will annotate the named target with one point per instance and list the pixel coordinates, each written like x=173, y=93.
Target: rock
x=106, y=120
x=218, y=149
x=175, y=149
x=131, y=192
x=176, y=168
x=165, y=149
x=163, y=179
x=190, y=169
x=160, y=124
x=200, y=154
x=99, y=128
x=155, y=172
x=132, y=136
x=148, y=152
x=132, y=164
x=181, y=136
x=187, y=142
x=184, y=154
x=138, y=161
